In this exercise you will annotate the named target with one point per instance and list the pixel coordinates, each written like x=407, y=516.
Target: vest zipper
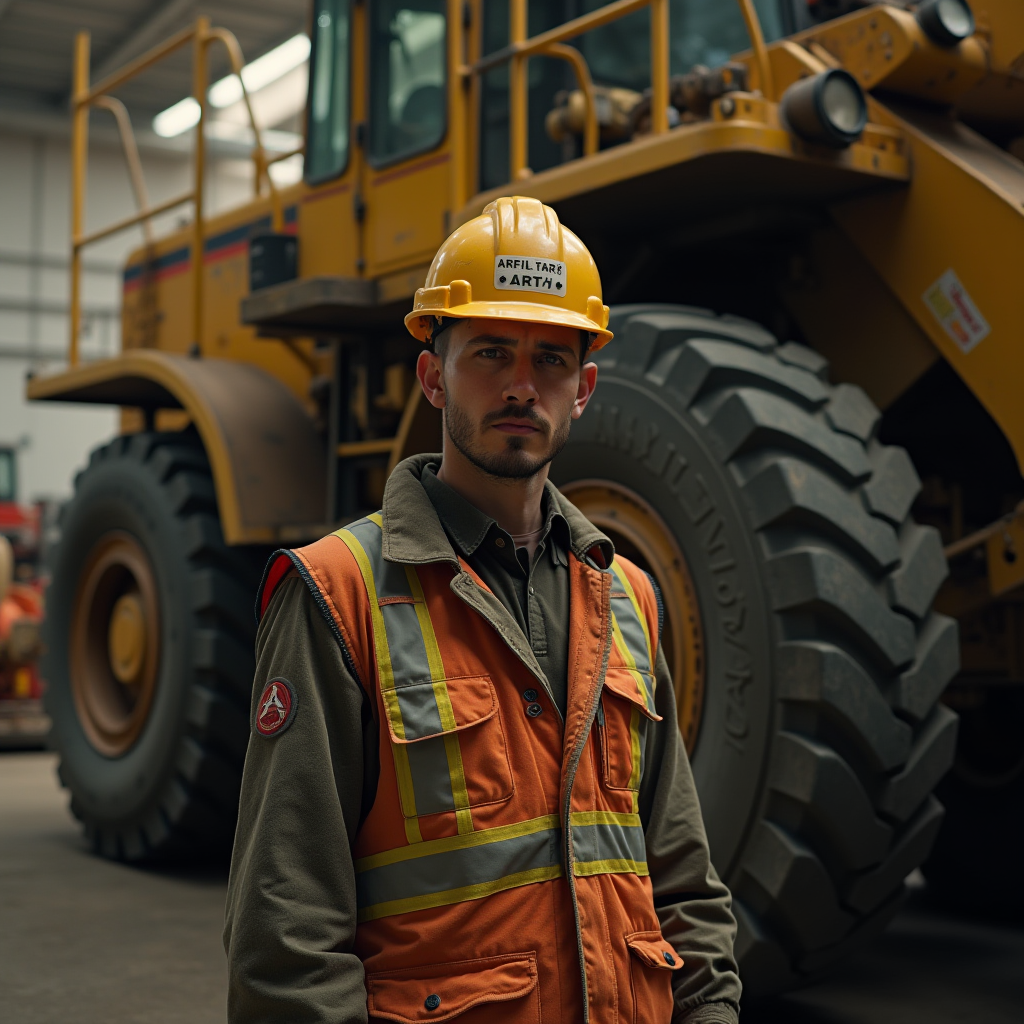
x=574, y=762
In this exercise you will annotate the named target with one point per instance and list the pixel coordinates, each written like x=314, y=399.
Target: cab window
x=328, y=129
x=407, y=77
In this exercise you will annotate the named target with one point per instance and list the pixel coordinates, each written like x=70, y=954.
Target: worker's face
x=509, y=391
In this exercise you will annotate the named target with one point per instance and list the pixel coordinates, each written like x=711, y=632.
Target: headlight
x=946, y=22
x=828, y=108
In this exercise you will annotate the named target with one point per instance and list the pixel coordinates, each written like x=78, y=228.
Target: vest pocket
x=650, y=975
x=623, y=732
x=449, y=745
x=466, y=989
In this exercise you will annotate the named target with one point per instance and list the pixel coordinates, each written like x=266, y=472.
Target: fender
x=269, y=464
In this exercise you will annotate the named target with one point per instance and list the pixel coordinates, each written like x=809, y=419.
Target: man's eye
x=490, y=353
x=553, y=360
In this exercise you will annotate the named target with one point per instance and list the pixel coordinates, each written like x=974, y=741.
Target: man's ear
x=431, y=377
x=588, y=381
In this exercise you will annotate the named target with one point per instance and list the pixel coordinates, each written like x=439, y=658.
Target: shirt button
x=533, y=710
x=531, y=590
x=499, y=542
x=669, y=959
x=529, y=695
x=432, y=1002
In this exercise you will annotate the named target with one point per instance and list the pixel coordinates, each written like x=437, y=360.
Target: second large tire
x=817, y=737
x=152, y=756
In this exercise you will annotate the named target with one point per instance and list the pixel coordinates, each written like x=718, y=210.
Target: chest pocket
x=448, y=744
x=622, y=728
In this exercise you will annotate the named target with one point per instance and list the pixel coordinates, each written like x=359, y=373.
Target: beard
x=513, y=462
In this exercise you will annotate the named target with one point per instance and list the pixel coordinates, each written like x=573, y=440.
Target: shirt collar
x=413, y=533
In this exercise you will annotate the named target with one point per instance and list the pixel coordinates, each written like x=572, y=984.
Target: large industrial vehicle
x=808, y=219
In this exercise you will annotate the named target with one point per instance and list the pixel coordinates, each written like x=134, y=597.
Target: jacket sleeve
x=291, y=903
x=693, y=905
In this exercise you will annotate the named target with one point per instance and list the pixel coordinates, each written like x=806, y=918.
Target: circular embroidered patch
x=276, y=708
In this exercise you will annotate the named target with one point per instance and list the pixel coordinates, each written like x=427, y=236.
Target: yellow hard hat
x=513, y=262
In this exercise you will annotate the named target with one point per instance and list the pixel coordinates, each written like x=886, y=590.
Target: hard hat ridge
x=516, y=261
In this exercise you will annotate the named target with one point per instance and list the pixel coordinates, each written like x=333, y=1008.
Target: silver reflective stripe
x=439, y=872
x=629, y=625
x=417, y=705
x=608, y=842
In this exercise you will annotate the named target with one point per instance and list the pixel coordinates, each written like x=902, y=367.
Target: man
x=476, y=804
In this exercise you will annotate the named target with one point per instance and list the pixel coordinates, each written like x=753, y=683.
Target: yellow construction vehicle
x=841, y=183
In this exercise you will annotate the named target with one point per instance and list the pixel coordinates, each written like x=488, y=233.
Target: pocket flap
x=419, y=711
x=634, y=686
x=442, y=991
x=651, y=949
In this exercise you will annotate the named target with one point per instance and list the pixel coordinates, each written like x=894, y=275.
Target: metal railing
x=85, y=97
x=552, y=44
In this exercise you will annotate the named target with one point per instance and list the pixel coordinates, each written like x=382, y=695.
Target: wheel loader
x=808, y=219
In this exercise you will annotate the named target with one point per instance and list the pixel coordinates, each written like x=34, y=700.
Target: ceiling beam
x=160, y=22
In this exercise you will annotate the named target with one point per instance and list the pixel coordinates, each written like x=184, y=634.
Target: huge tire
x=805, y=656
x=149, y=663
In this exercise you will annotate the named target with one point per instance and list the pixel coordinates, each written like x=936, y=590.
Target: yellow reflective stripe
x=634, y=750
x=460, y=895
x=631, y=593
x=452, y=747
x=449, y=843
x=605, y=818
x=387, y=685
x=615, y=866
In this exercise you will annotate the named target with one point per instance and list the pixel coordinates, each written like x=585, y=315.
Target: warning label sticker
x=529, y=274
x=956, y=312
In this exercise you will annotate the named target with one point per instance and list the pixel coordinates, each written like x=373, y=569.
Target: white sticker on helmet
x=530, y=274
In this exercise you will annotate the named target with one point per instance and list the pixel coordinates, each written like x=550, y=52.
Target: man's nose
x=521, y=386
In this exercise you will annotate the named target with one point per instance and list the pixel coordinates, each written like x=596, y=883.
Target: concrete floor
x=83, y=941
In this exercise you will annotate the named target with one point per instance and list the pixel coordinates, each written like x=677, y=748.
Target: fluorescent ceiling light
x=259, y=73
x=262, y=71
x=177, y=119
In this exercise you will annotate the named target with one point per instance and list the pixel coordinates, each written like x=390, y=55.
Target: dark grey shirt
x=535, y=593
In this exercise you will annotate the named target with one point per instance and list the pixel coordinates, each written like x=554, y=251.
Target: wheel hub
x=126, y=638
x=640, y=534
x=114, y=643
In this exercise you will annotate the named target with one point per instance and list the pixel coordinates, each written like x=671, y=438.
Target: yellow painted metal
x=517, y=97
x=963, y=214
x=659, y=66
x=199, y=181
x=762, y=64
x=591, y=129
x=885, y=47
x=84, y=97
x=262, y=488
x=79, y=157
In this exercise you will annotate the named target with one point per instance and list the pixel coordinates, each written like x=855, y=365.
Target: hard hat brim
x=420, y=322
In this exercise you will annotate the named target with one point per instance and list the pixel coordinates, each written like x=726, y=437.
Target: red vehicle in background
x=22, y=721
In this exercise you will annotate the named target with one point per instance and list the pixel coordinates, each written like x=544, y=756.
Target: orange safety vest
x=503, y=860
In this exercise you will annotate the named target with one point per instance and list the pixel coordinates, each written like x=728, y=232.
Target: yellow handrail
x=84, y=97
x=551, y=44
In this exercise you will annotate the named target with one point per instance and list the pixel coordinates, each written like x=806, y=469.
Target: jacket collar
x=413, y=534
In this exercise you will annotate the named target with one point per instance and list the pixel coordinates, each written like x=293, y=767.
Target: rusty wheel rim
x=641, y=535
x=115, y=641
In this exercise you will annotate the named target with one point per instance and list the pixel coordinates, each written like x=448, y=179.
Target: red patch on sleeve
x=276, y=708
